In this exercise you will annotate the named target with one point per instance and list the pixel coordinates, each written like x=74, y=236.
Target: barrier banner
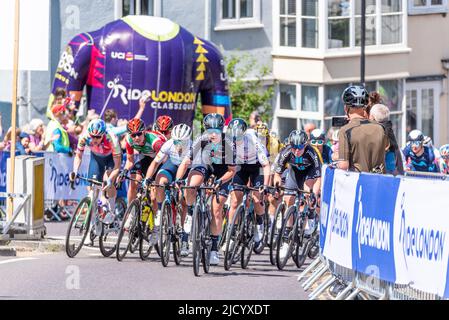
x=338, y=246
x=3, y=161
x=372, y=240
x=421, y=228
x=393, y=228
x=57, y=169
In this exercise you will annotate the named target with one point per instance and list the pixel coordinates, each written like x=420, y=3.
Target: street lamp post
x=362, y=44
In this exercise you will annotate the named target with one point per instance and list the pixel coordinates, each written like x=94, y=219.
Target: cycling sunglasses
x=137, y=134
x=96, y=137
x=416, y=143
x=178, y=142
x=317, y=142
x=212, y=131
x=299, y=146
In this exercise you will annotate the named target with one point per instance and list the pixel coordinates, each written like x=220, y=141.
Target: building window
x=299, y=19
x=421, y=106
x=344, y=23
x=286, y=125
x=309, y=98
x=288, y=96
x=427, y=6
x=138, y=7
x=238, y=14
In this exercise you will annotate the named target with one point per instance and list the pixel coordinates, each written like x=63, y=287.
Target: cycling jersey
x=152, y=144
x=250, y=150
x=424, y=163
x=175, y=153
x=125, y=60
x=205, y=152
x=308, y=163
x=108, y=145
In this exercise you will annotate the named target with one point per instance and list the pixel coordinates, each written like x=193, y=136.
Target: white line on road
x=16, y=260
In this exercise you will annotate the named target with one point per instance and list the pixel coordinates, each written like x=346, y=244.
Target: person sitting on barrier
x=105, y=161
x=417, y=156
x=444, y=152
x=362, y=142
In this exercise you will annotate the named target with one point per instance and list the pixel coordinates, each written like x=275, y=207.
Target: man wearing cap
x=56, y=137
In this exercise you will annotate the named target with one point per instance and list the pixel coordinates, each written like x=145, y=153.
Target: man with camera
x=362, y=142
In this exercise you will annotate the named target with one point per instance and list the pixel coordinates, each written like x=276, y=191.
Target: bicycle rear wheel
x=233, y=237
x=275, y=229
x=78, y=228
x=108, y=240
x=128, y=231
x=248, y=232
x=259, y=249
x=285, y=239
x=165, y=233
x=196, y=240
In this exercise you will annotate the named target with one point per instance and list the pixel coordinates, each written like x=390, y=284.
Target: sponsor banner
x=338, y=240
x=372, y=239
x=421, y=239
x=3, y=180
x=57, y=169
x=326, y=196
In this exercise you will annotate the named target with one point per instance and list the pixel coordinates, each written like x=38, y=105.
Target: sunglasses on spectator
x=317, y=142
x=137, y=134
x=299, y=147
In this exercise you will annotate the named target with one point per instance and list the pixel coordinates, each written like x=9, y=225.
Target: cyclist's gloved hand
x=180, y=182
x=122, y=175
x=147, y=181
x=217, y=184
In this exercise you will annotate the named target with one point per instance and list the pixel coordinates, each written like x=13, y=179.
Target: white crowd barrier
x=384, y=235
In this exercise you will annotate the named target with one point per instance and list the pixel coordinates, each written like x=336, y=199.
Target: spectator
x=373, y=98
x=393, y=157
x=6, y=144
x=25, y=142
x=1, y=126
x=335, y=144
x=362, y=142
x=36, y=132
x=111, y=120
x=254, y=118
x=309, y=127
x=56, y=136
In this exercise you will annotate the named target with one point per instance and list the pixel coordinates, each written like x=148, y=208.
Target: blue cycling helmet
x=96, y=127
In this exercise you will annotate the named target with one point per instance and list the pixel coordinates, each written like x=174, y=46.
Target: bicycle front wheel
x=78, y=228
x=206, y=244
x=196, y=240
x=128, y=231
x=275, y=230
x=259, y=249
x=248, y=231
x=233, y=237
x=165, y=233
x=286, y=239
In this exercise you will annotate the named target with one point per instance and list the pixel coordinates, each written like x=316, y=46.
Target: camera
x=339, y=121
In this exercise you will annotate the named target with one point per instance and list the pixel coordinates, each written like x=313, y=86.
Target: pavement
x=42, y=270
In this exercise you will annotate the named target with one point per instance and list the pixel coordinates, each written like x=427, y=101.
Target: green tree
x=246, y=88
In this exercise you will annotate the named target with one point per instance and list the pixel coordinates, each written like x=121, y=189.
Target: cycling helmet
x=318, y=134
x=428, y=141
x=181, y=132
x=416, y=135
x=262, y=129
x=444, y=151
x=237, y=127
x=298, y=138
x=135, y=125
x=163, y=123
x=355, y=96
x=213, y=121
x=96, y=127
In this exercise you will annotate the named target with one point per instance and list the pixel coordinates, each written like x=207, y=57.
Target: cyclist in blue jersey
x=444, y=165
x=417, y=156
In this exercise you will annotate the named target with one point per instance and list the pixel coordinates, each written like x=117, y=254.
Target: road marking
x=16, y=260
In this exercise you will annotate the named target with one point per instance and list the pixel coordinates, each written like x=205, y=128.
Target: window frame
x=118, y=8
x=428, y=8
x=238, y=22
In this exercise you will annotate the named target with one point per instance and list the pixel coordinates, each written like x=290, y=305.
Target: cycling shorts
x=98, y=166
x=296, y=179
x=218, y=170
x=246, y=173
x=169, y=170
x=141, y=166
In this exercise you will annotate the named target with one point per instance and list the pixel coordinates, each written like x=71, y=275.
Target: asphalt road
x=91, y=276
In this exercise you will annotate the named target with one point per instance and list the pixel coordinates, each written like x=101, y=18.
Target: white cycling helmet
x=181, y=132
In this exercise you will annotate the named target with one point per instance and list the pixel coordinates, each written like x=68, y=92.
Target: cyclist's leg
x=136, y=173
x=236, y=192
x=292, y=181
x=196, y=177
